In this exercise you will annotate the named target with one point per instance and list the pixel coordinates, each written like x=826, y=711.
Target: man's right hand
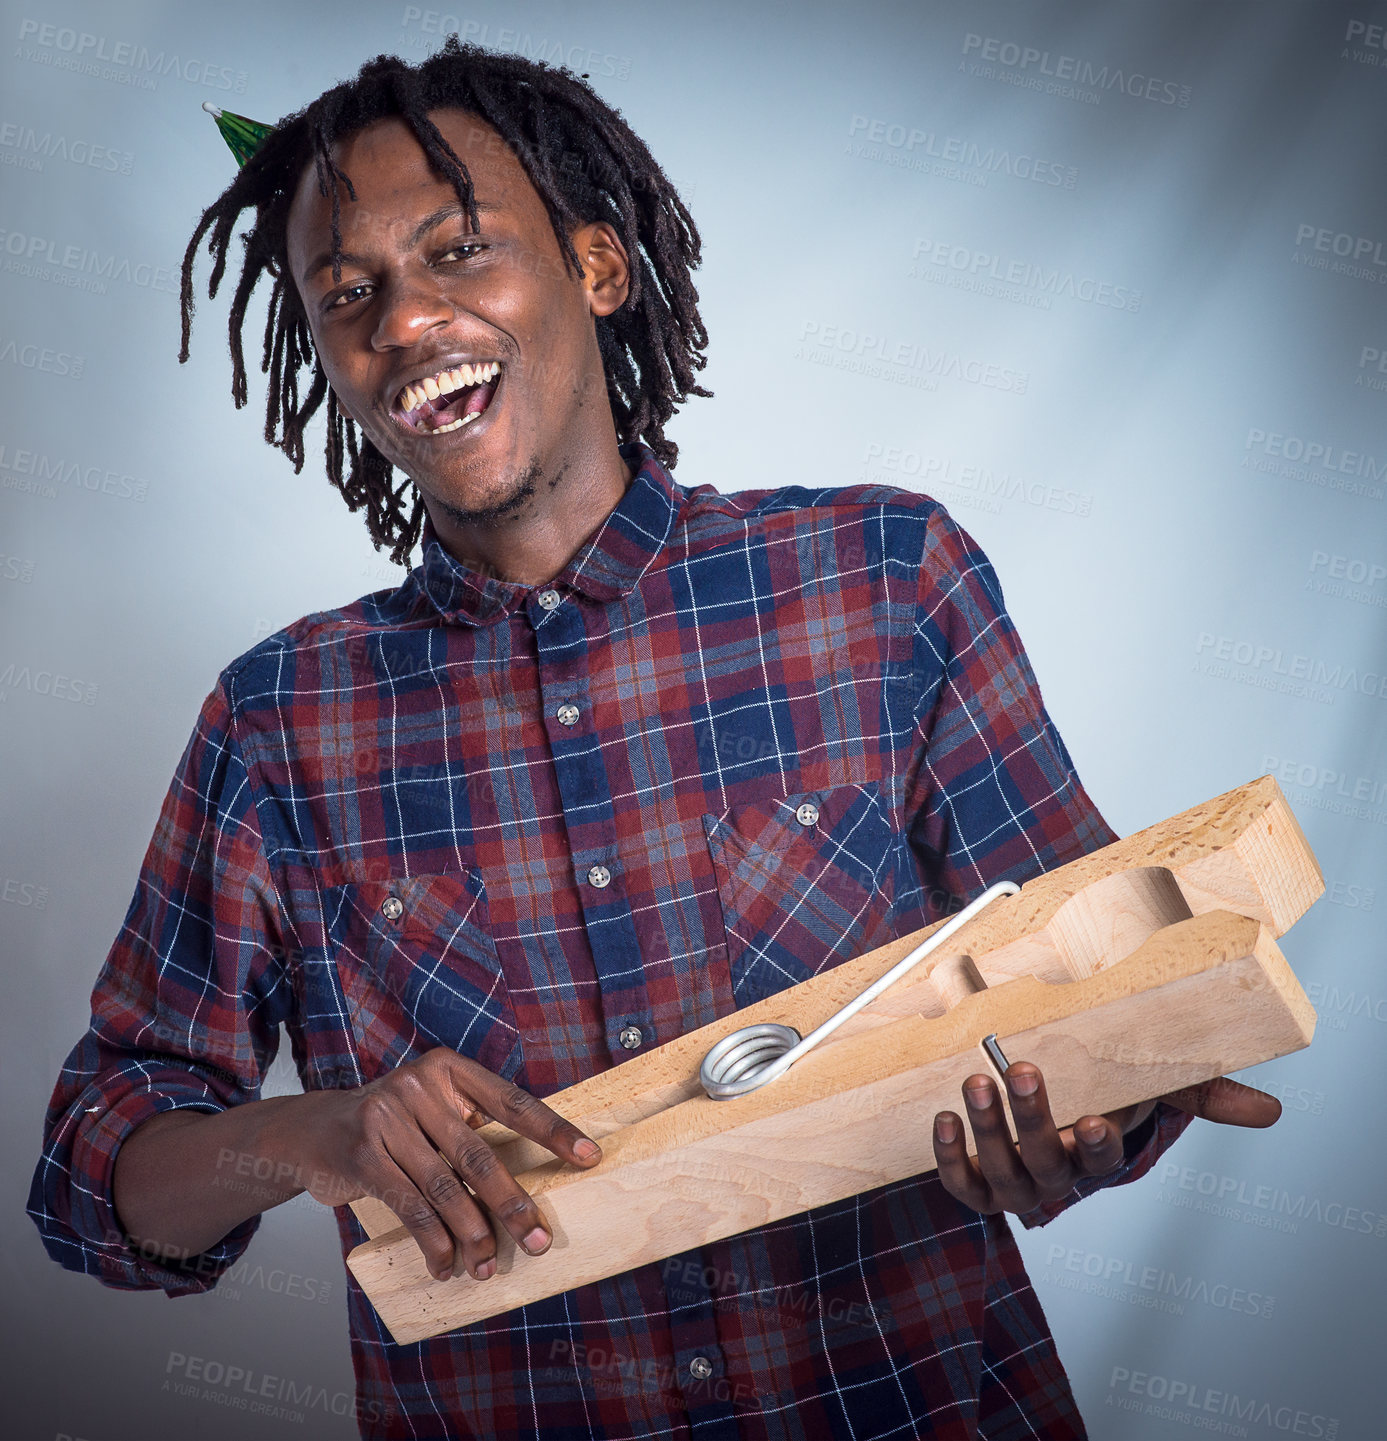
x=185, y=1179
x=409, y=1139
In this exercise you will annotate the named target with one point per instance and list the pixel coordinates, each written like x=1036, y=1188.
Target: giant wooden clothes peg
x=1134, y=971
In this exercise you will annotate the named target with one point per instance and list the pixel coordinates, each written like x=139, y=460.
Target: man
x=617, y=758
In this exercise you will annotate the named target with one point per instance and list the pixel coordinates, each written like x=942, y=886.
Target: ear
x=607, y=278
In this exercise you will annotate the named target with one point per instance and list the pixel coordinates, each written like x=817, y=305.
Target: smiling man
x=469, y=360
x=616, y=758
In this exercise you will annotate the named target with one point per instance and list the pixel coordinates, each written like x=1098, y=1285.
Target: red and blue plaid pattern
x=488, y=753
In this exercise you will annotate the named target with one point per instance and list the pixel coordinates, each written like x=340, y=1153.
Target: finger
x=388, y=1182
x=1230, y=1103
x=445, y=1214
x=525, y=1114
x=1097, y=1145
x=998, y=1158
x=959, y=1176
x=1043, y=1152
x=475, y=1162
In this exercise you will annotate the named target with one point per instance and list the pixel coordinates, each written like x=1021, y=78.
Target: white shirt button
x=807, y=814
x=548, y=599
x=599, y=876
x=567, y=715
x=630, y=1037
x=392, y=908
x=700, y=1368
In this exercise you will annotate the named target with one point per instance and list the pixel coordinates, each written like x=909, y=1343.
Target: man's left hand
x=1044, y=1163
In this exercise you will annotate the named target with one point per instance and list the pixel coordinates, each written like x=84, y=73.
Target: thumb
x=1229, y=1103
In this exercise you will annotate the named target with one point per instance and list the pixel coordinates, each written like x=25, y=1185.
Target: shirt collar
x=608, y=565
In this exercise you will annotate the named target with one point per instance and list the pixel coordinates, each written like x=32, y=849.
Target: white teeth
x=456, y=424
x=432, y=386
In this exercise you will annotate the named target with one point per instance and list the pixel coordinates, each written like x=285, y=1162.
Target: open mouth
x=448, y=399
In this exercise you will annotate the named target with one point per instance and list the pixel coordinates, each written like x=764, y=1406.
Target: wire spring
x=754, y=1055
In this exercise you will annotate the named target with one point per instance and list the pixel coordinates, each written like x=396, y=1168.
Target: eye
x=464, y=249
x=353, y=292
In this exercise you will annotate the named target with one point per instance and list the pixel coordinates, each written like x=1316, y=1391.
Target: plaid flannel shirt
x=587, y=797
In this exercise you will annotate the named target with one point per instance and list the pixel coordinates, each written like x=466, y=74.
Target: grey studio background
x=1110, y=280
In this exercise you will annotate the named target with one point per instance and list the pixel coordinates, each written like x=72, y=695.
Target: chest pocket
x=419, y=969
x=804, y=882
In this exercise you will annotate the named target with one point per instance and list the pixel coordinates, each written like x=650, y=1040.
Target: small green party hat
x=242, y=135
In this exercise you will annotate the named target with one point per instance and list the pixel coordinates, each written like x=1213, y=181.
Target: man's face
x=470, y=360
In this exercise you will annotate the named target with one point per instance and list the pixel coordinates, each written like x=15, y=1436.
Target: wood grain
x=1138, y=969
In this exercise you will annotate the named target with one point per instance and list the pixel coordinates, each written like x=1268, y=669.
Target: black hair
x=586, y=164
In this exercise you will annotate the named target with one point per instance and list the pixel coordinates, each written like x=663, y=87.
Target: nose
x=409, y=307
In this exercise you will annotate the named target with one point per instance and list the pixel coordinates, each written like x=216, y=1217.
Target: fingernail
x=945, y=1129
x=1024, y=1083
x=486, y=1270
x=586, y=1150
x=536, y=1241
x=979, y=1097
x=1092, y=1134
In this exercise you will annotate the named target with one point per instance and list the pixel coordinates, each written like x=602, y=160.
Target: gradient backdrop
x=1110, y=280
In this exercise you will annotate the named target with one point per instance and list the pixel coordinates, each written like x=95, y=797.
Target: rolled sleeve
x=185, y=1015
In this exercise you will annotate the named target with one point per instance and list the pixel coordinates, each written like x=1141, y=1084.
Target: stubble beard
x=492, y=517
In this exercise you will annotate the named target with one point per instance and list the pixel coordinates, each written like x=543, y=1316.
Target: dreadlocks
x=586, y=164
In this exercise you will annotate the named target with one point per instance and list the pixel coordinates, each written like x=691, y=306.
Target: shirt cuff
x=1141, y=1147
x=101, y=1246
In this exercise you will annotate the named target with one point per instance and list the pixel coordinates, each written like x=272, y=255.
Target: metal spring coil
x=750, y=1057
